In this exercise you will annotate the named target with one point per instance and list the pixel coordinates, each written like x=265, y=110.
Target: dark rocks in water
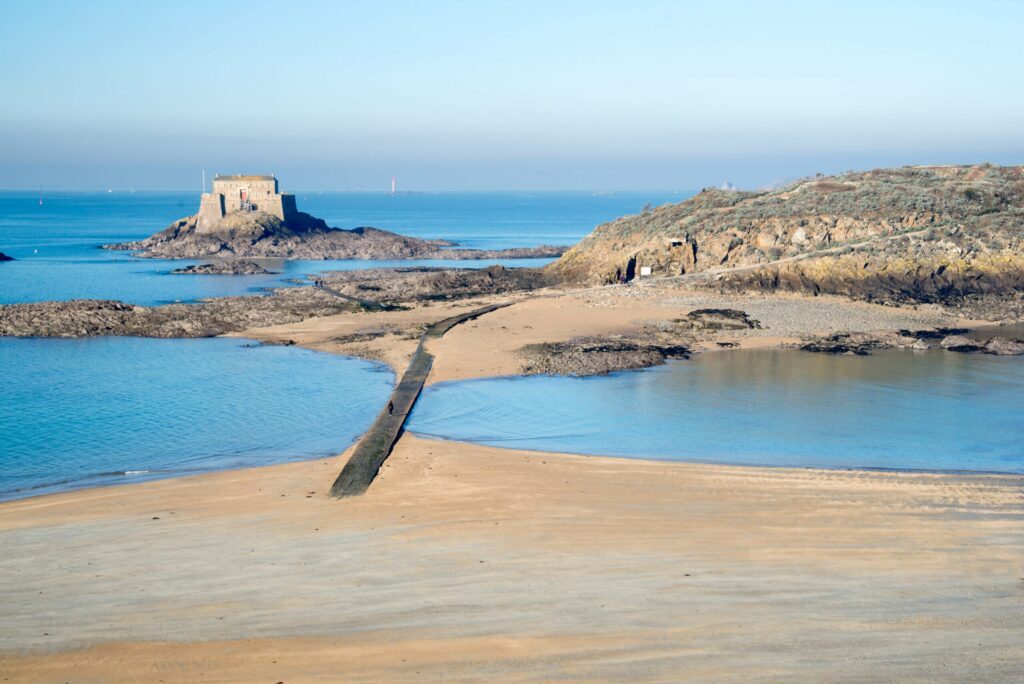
x=596, y=356
x=718, y=319
x=4, y=257
x=934, y=334
x=860, y=344
x=258, y=234
x=1001, y=346
x=961, y=344
x=863, y=344
x=997, y=346
x=223, y=267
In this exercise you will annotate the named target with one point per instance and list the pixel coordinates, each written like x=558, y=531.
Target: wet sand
x=473, y=563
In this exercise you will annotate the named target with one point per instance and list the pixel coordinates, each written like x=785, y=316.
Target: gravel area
x=780, y=316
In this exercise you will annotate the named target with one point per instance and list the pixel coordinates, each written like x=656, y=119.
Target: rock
x=959, y=343
x=934, y=334
x=913, y=234
x=91, y=317
x=718, y=319
x=1001, y=346
x=997, y=346
x=4, y=257
x=920, y=345
x=861, y=344
x=596, y=356
x=393, y=285
x=222, y=267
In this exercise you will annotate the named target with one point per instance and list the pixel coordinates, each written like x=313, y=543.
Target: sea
x=88, y=412
x=929, y=410
x=56, y=243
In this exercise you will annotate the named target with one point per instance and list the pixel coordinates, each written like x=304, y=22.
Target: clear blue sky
x=492, y=95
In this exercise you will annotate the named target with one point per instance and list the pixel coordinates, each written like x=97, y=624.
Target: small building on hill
x=243, y=193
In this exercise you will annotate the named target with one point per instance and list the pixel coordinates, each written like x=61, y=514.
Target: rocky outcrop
x=997, y=346
x=396, y=285
x=908, y=234
x=4, y=257
x=860, y=344
x=717, y=319
x=887, y=279
x=223, y=267
x=596, y=356
x=258, y=234
x=950, y=339
x=91, y=317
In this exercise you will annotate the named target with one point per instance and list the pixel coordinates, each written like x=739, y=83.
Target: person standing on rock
x=391, y=408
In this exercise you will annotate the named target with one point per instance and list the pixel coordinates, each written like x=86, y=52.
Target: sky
x=449, y=95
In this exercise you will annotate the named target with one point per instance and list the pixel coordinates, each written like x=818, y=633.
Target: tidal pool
x=897, y=409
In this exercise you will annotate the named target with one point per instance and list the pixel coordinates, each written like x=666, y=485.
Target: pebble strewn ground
x=781, y=316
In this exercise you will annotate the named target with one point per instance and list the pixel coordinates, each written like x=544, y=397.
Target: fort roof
x=241, y=177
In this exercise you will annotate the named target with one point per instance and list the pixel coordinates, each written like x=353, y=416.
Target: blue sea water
x=935, y=410
x=95, y=411
x=56, y=244
x=85, y=412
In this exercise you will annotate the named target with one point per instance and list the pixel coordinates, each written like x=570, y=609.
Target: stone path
x=376, y=444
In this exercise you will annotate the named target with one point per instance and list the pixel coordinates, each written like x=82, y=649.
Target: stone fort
x=243, y=193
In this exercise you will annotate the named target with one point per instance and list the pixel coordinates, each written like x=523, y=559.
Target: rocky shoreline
x=208, y=318
x=719, y=323
x=950, y=339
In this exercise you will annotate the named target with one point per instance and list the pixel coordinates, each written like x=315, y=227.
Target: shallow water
x=87, y=412
x=56, y=243
x=898, y=409
x=84, y=412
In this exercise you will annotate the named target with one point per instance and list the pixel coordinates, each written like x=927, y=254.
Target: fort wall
x=243, y=193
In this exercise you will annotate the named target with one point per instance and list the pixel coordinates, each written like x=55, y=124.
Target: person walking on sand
x=391, y=408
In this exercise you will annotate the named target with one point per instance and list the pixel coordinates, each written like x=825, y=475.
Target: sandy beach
x=471, y=563
x=490, y=346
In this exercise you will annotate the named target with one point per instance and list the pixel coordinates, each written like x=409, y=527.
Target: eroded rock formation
x=907, y=234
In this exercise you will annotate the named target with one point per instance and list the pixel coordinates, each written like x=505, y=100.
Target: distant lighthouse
x=393, y=185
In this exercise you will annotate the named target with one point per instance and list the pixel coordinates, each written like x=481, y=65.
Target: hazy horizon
x=656, y=96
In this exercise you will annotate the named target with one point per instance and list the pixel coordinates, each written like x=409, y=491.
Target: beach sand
x=490, y=345
x=470, y=563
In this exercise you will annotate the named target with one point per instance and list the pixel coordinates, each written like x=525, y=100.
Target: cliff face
x=914, y=233
x=259, y=234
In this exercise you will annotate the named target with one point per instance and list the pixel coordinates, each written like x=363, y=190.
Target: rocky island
x=222, y=267
x=4, y=257
x=246, y=217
